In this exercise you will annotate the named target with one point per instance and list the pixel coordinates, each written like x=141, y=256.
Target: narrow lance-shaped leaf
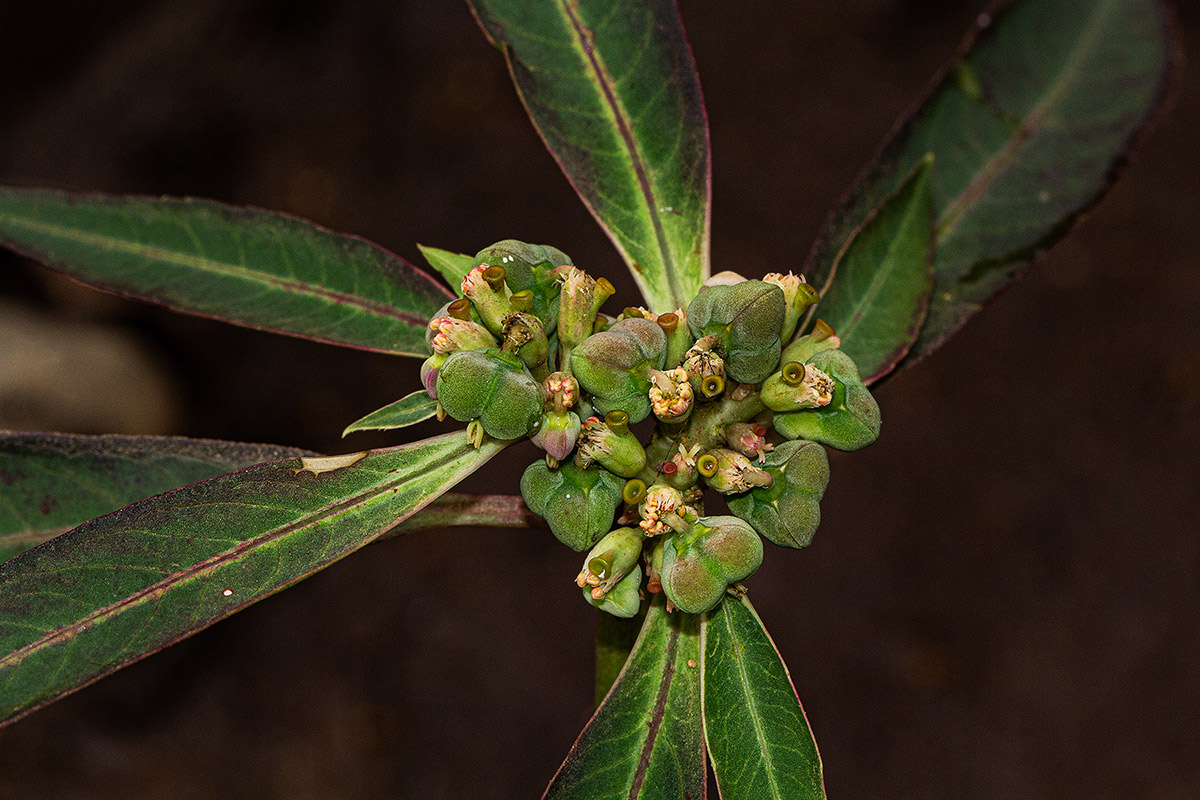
x=615, y=638
x=242, y=265
x=122, y=586
x=878, y=293
x=458, y=510
x=758, y=737
x=51, y=482
x=645, y=739
x=408, y=410
x=1028, y=130
x=612, y=89
x=450, y=265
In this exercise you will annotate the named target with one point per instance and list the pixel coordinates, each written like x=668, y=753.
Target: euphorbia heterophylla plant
x=730, y=384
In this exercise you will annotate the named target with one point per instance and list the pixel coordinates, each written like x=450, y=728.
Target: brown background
x=1001, y=602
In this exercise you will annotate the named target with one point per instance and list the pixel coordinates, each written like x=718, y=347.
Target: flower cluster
x=527, y=352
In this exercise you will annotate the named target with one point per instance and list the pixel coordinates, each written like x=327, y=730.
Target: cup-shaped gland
x=670, y=395
x=614, y=366
x=611, y=444
x=610, y=560
x=851, y=419
x=728, y=472
x=529, y=267
x=578, y=504
x=789, y=510
x=821, y=337
x=493, y=387
x=524, y=335
x=660, y=507
x=699, y=564
x=429, y=373
x=797, y=386
x=798, y=296
x=679, y=338
x=748, y=438
x=746, y=318
x=580, y=299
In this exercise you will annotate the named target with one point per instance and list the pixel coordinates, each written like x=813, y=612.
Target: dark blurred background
x=1002, y=600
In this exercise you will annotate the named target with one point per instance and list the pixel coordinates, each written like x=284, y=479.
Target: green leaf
x=612, y=89
x=451, y=266
x=125, y=585
x=645, y=741
x=1029, y=129
x=242, y=265
x=877, y=294
x=408, y=410
x=51, y=482
x=758, y=737
x=615, y=638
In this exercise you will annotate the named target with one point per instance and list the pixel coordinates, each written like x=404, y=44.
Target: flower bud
x=728, y=472
x=623, y=600
x=614, y=366
x=492, y=387
x=798, y=296
x=580, y=299
x=789, y=511
x=429, y=373
x=797, y=386
x=578, y=504
x=610, y=560
x=670, y=395
x=660, y=502
x=805, y=347
x=557, y=433
x=746, y=318
x=612, y=445
x=451, y=334
x=699, y=565
x=524, y=335
x=749, y=439
x=487, y=290
x=851, y=419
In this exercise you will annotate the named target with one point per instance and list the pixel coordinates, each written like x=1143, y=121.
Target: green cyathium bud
x=849, y=422
x=705, y=368
x=614, y=366
x=623, y=600
x=492, y=387
x=610, y=560
x=529, y=267
x=789, y=511
x=579, y=505
x=805, y=347
x=797, y=386
x=728, y=472
x=486, y=288
x=523, y=335
x=746, y=318
x=450, y=334
x=699, y=565
x=557, y=433
x=580, y=299
x=798, y=297
x=612, y=445
x=679, y=338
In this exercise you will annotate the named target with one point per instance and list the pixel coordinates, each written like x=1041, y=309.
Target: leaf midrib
x=1003, y=158
x=212, y=266
x=658, y=711
x=620, y=117
x=751, y=703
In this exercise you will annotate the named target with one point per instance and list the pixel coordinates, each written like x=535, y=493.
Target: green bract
x=698, y=566
x=492, y=387
x=746, y=318
x=578, y=504
x=789, y=511
x=850, y=422
x=614, y=366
